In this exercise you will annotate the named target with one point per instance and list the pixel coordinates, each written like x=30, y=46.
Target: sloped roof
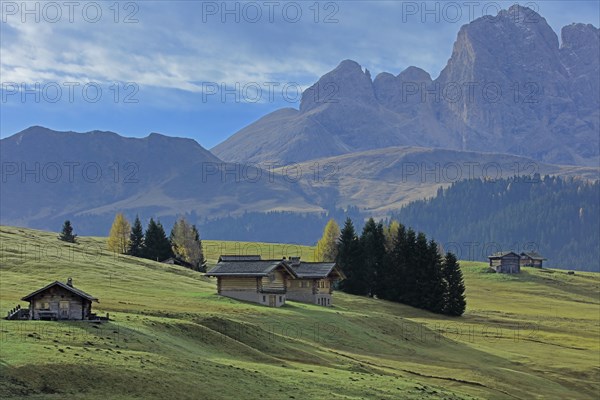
x=249, y=268
x=317, y=269
x=503, y=254
x=533, y=255
x=227, y=257
x=76, y=291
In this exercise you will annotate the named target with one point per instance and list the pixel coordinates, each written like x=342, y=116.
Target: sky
x=205, y=69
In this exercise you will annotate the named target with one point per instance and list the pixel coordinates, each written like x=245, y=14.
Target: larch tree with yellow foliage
x=327, y=247
x=118, y=239
x=391, y=231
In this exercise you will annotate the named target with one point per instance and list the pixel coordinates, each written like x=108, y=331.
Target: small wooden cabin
x=315, y=281
x=178, y=261
x=60, y=301
x=532, y=259
x=505, y=262
x=251, y=279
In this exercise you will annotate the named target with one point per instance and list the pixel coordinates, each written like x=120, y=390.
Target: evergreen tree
x=372, y=243
x=421, y=272
x=202, y=261
x=118, y=238
x=66, y=235
x=327, y=245
x=408, y=266
x=435, y=292
x=136, y=239
x=393, y=279
x=157, y=246
x=455, y=302
x=348, y=259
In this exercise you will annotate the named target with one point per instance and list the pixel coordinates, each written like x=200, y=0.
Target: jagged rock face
x=579, y=53
x=521, y=102
x=347, y=83
x=508, y=87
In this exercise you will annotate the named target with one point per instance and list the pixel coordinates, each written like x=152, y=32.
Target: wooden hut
x=314, y=282
x=251, y=279
x=507, y=262
x=532, y=259
x=60, y=301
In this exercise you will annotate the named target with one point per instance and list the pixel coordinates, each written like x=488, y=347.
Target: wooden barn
x=532, y=259
x=60, y=301
x=252, y=279
x=314, y=282
x=507, y=262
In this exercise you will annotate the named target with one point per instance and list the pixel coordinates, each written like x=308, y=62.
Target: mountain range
x=375, y=144
x=508, y=87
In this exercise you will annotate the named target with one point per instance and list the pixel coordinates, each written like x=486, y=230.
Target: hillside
x=554, y=216
x=532, y=335
x=510, y=86
x=382, y=180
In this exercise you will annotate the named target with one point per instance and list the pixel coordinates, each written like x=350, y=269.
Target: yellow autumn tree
x=118, y=239
x=390, y=232
x=186, y=244
x=327, y=246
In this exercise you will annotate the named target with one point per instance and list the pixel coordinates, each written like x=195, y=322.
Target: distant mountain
x=49, y=176
x=383, y=180
x=509, y=87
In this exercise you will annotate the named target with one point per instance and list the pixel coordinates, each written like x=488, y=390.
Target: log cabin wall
x=65, y=304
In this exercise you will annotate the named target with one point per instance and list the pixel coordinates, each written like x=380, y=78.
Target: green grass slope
x=535, y=335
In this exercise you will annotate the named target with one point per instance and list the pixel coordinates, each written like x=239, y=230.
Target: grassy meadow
x=530, y=336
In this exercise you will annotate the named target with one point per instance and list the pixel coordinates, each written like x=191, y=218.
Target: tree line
x=557, y=217
x=183, y=244
x=395, y=263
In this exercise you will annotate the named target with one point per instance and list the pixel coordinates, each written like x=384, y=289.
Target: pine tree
x=327, y=245
x=409, y=292
x=202, y=260
x=348, y=259
x=66, y=235
x=393, y=280
x=455, y=303
x=157, y=246
x=372, y=241
x=436, y=289
x=118, y=238
x=136, y=239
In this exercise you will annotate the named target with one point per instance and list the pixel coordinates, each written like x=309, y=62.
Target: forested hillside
x=275, y=226
x=558, y=218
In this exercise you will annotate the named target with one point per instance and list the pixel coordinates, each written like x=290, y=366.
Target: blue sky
x=158, y=66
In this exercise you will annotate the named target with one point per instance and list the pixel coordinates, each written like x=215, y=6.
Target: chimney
x=70, y=282
x=295, y=261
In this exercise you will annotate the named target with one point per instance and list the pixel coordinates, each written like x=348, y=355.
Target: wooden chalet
x=314, y=282
x=272, y=282
x=60, y=301
x=252, y=279
x=507, y=262
x=532, y=259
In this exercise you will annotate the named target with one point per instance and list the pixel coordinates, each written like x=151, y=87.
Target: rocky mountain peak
x=508, y=87
x=346, y=82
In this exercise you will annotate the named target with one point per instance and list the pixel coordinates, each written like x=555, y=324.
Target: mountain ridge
x=522, y=92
